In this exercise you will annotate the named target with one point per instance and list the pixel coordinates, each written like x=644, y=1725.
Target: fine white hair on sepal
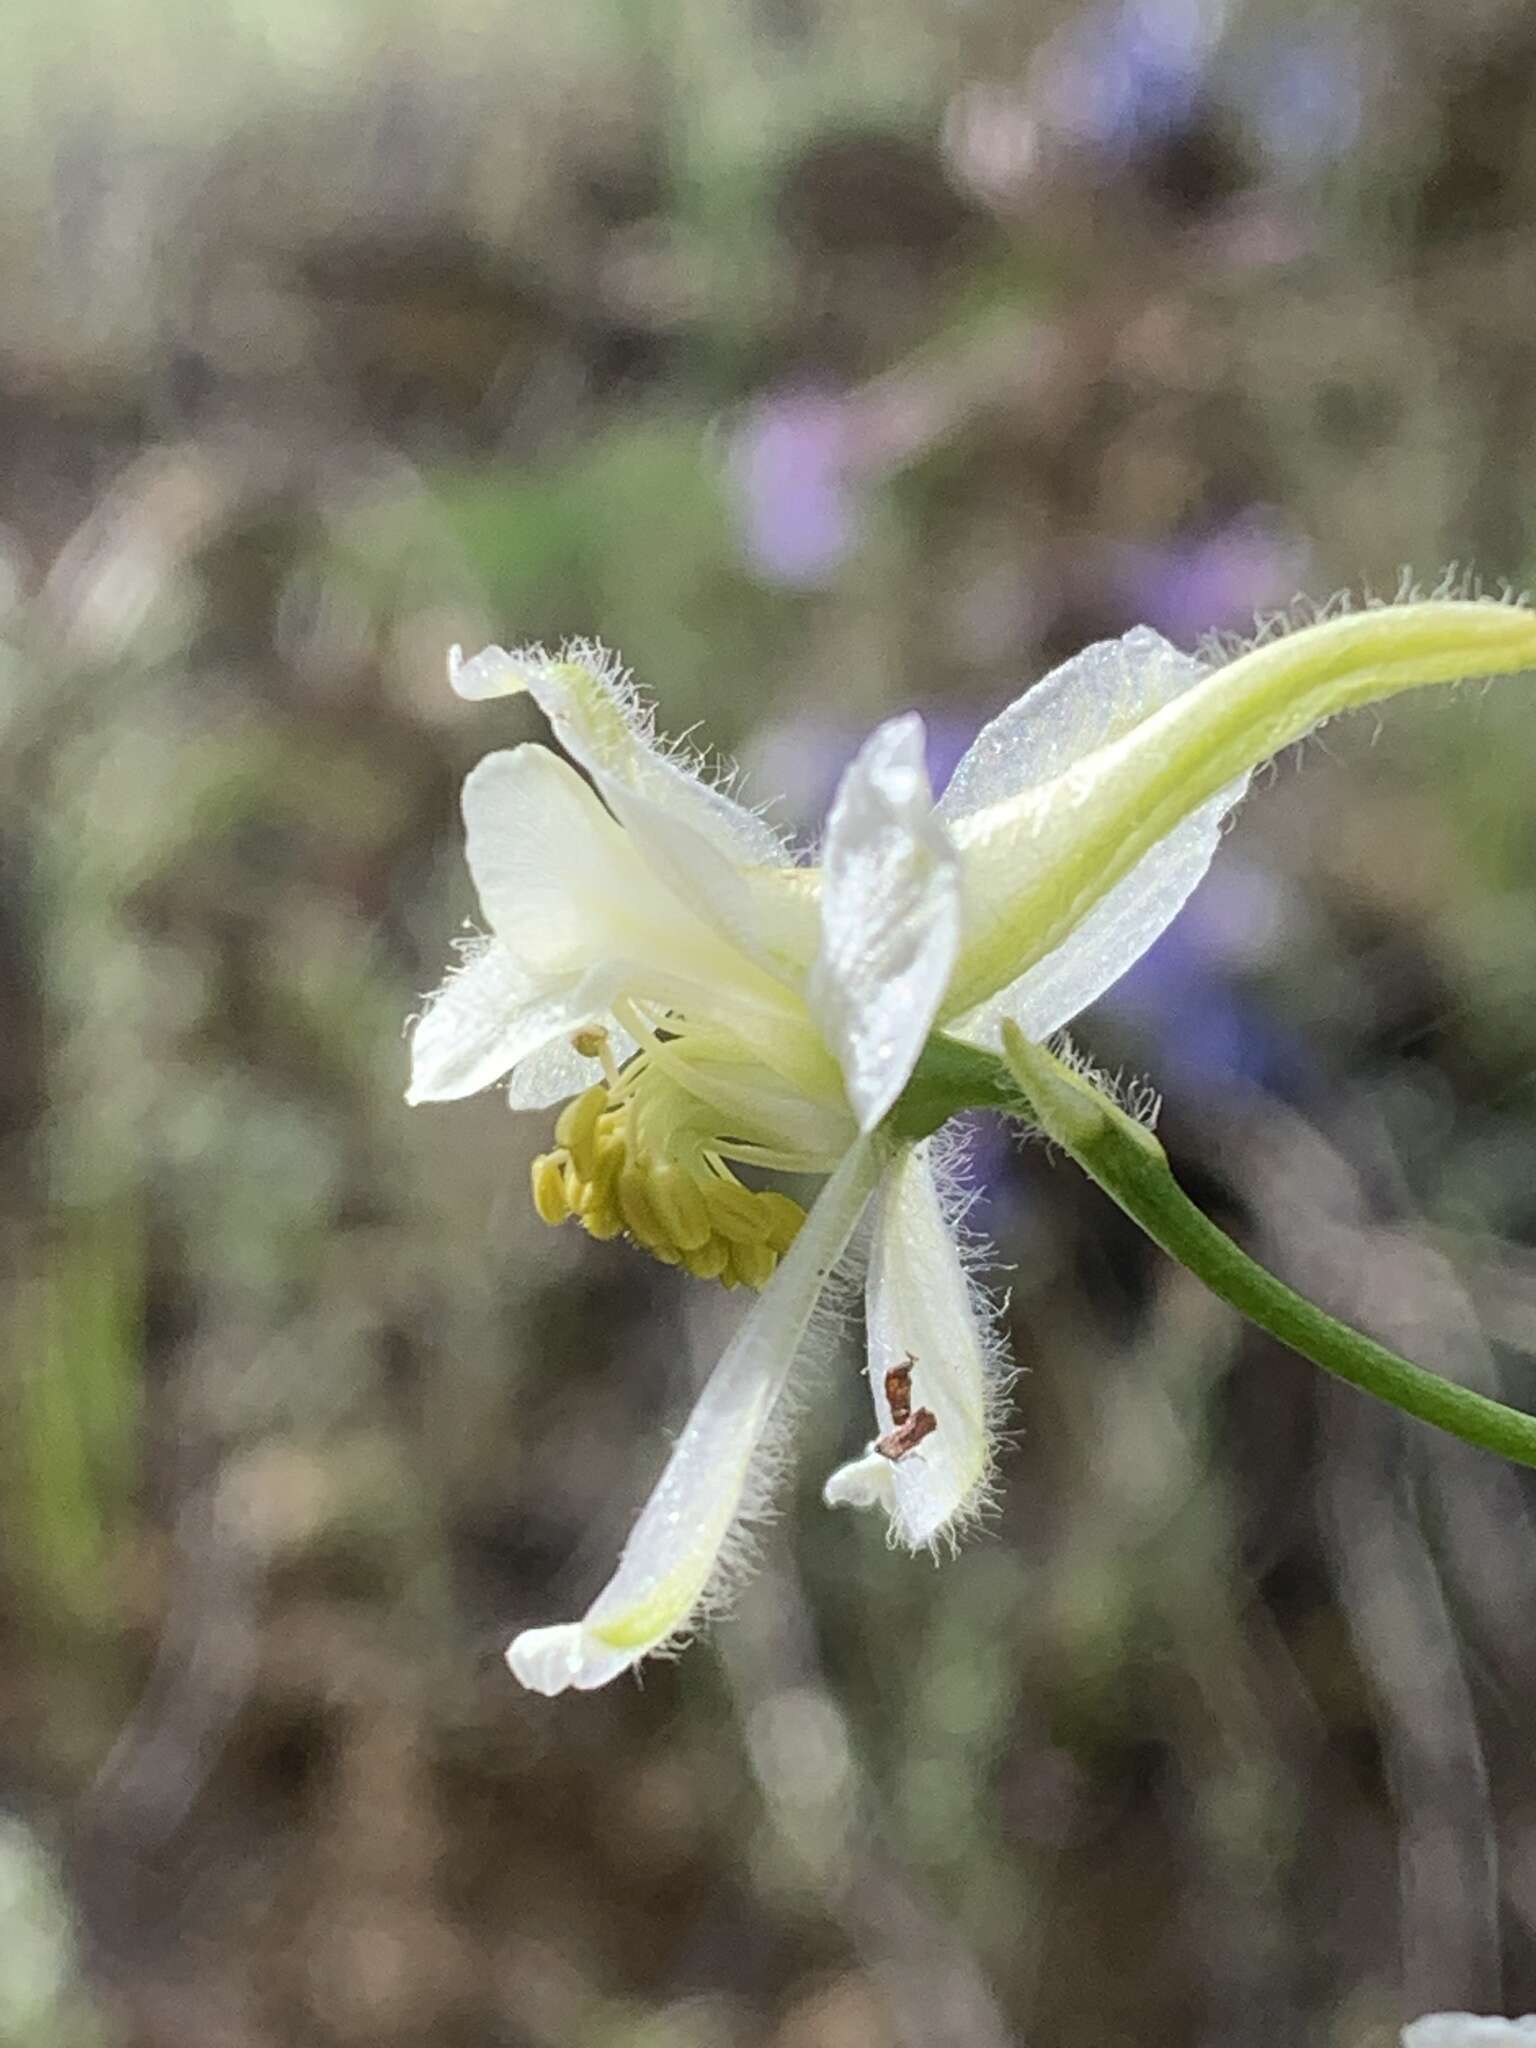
x=703, y=764
x=535, y=664
x=825, y=1334
x=468, y=947
x=1458, y=582
x=1133, y=1094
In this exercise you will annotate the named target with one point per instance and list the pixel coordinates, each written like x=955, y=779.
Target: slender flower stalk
x=702, y=1002
x=1131, y=1166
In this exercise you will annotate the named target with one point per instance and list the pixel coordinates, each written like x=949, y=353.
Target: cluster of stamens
x=683, y=1205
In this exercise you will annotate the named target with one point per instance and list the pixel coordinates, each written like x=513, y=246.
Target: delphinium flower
x=699, y=1001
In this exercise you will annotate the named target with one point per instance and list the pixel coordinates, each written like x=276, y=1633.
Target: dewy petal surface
x=921, y=1312
x=486, y=1018
x=1096, y=697
x=890, y=918
x=710, y=1482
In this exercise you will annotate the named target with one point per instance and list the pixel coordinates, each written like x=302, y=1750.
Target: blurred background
x=827, y=357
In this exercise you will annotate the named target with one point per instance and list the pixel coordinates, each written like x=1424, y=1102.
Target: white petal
x=567, y=892
x=490, y=673
x=558, y=1071
x=1468, y=2030
x=921, y=1311
x=1111, y=938
x=719, y=890
x=1086, y=702
x=550, y=1660
x=890, y=919
x=487, y=1016
x=712, y=1481
x=755, y=1104
x=546, y=858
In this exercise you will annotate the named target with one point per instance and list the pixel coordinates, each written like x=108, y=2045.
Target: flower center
x=643, y=1154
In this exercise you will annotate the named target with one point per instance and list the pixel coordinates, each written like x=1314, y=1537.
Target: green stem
x=950, y=1077
x=1132, y=1168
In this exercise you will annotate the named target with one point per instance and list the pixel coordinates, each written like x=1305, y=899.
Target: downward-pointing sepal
x=715, y=1479
x=935, y=1374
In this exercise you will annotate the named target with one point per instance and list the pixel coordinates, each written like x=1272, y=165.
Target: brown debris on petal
x=898, y=1389
x=897, y=1443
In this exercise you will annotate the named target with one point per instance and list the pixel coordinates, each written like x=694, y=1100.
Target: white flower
x=658, y=962
x=1469, y=2030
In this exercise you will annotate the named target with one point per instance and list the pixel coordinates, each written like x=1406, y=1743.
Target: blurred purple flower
x=1210, y=581
x=1185, y=995
x=1302, y=96
x=789, y=461
x=1126, y=74
x=1130, y=73
x=804, y=760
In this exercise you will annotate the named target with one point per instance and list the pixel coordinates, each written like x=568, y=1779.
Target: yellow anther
x=784, y=1218
x=599, y=1214
x=576, y=1128
x=734, y=1211
x=683, y=1206
x=709, y=1261
x=611, y=1155
x=548, y=1174
x=679, y=1206
x=589, y=1041
x=753, y=1264
x=636, y=1207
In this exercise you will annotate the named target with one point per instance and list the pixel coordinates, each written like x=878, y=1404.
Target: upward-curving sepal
x=602, y=721
x=1097, y=697
x=1039, y=861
